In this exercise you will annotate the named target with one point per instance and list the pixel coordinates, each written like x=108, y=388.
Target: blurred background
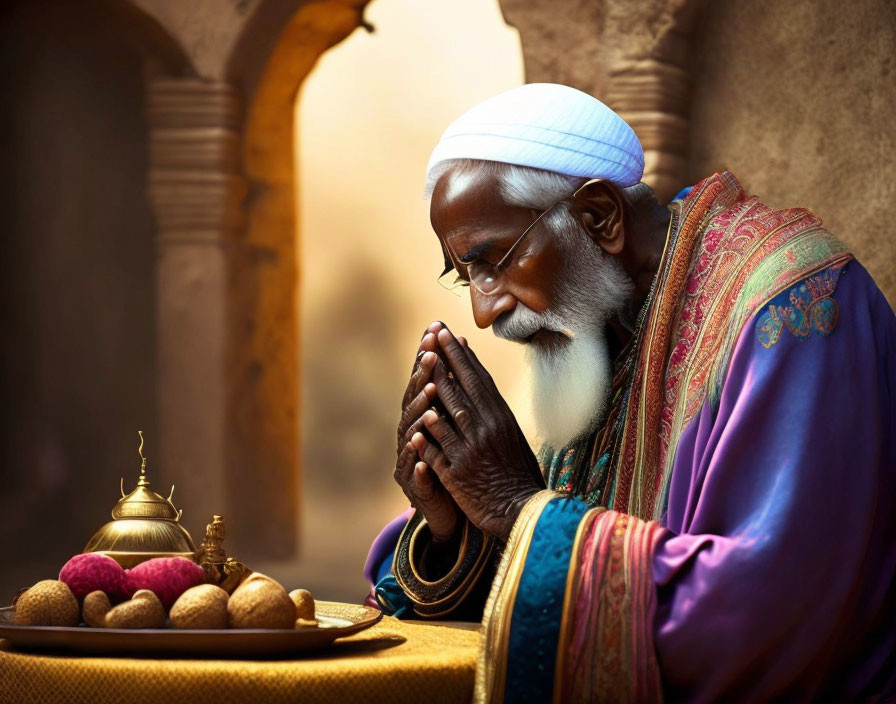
x=214, y=229
x=367, y=117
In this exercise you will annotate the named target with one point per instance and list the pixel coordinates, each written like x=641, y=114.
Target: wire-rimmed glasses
x=484, y=276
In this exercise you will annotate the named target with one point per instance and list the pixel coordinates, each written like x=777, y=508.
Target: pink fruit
x=92, y=571
x=166, y=577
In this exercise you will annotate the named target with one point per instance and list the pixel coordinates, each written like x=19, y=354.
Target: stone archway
x=225, y=203
x=265, y=373
x=222, y=188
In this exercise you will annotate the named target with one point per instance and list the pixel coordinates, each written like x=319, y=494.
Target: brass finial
x=142, y=481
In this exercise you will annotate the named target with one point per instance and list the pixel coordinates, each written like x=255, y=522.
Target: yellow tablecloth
x=394, y=661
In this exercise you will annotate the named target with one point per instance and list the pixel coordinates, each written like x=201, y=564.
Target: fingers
x=474, y=360
x=487, y=379
x=471, y=355
x=420, y=350
x=474, y=379
x=428, y=343
x=409, y=422
x=476, y=364
x=436, y=504
x=405, y=462
x=424, y=486
x=404, y=468
x=440, y=429
x=418, y=405
x=431, y=453
x=453, y=398
x=423, y=365
x=460, y=364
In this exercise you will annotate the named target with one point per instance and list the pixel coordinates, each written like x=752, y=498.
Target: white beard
x=571, y=380
x=570, y=387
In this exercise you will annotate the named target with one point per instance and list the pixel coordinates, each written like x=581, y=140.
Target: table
x=391, y=662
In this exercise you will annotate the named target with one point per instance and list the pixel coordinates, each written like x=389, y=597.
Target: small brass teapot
x=144, y=525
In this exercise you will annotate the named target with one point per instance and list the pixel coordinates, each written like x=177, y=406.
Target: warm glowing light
x=366, y=120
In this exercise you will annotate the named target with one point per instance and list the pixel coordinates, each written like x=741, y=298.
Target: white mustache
x=523, y=322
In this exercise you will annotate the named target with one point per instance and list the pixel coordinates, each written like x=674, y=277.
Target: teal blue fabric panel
x=538, y=609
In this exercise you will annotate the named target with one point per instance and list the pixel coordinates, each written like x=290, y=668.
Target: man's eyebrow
x=476, y=252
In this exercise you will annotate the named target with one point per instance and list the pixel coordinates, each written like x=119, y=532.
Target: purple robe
x=775, y=574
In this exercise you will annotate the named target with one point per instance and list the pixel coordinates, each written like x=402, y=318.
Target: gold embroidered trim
x=491, y=668
x=460, y=553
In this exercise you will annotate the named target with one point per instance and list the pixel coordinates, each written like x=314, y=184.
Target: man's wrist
x=513, y=511
x=436, y=594
x=438, y=556
x=445, y=537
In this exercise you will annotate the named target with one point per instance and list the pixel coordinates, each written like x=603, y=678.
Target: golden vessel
x=144, y=525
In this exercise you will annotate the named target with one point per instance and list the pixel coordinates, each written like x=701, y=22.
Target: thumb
x=423, y=483
x=437, y=507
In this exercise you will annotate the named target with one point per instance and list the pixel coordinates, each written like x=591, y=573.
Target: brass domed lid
x=143, y=502
x=144, y=524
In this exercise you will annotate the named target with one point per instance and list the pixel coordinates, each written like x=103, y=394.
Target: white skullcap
x=546, y=126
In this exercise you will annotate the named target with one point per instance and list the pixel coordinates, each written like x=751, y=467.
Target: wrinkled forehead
x=466, y=202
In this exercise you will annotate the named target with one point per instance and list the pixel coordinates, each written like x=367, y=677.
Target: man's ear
x=600, y=209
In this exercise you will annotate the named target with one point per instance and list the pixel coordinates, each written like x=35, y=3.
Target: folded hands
x=460, y=449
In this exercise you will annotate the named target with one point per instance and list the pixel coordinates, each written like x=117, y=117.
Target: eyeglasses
x=484, y=276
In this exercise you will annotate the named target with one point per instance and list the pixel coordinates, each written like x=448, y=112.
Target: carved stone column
x=654, y=98
x=196, y=192
x=646, y=54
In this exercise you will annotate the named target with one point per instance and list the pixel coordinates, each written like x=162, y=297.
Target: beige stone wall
x=798, y=100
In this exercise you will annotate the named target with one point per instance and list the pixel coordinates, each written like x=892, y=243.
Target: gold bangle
x=433, y=599
x=412, y=551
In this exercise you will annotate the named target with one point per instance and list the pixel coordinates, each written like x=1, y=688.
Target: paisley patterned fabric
x=809, y=306
x=729, y=256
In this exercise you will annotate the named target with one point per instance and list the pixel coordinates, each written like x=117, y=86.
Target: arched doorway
x=366, y=118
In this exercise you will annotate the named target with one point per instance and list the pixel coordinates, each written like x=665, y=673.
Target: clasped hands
x=460, y=449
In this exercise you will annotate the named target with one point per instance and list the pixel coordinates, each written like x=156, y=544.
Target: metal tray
x=335, y=621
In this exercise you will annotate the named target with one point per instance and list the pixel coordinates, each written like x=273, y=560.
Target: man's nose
x=486, y=309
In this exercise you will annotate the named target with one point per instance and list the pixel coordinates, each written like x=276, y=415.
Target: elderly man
x=713, y=512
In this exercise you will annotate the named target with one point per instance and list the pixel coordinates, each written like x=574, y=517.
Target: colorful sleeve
x=378, y=566
x=570, y=614
x=401, y=587
x=777, y=573
x=460, y=590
